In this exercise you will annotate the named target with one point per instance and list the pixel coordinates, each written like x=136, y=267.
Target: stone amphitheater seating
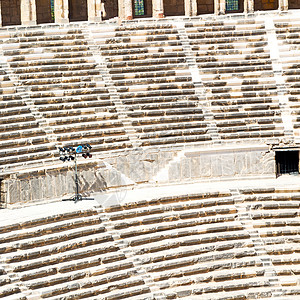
x=234, y=60
x=288, y=36
x=128, y=85
x=210, y=245
x=59, y=74
x=149, y=68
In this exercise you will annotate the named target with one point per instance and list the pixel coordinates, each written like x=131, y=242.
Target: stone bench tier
x=220, y=35
x=138, y=39
x=157, y=93
x=47, y=62
x=41, y=44
x=144, y=32
x=32, y=241
x=85, y=134
x=95, y=105
x=156, y=87
x=170, y=127
x=237, y=69
x=67, y=49
x=228, y=22
x=114, y=55
x=139, y=46
x=161, y=99
x=139, y=66
x=156, y=80
x=53, y=81
x=136, y=27
x=56, y=68
x=31, y=57
x=244, y=101
x=27, y=155
x=223, y=28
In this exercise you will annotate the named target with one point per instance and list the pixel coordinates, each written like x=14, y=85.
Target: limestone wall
x=133, y=168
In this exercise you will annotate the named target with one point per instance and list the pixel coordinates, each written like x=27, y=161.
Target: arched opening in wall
x=45, y=11
x=78, y=10
x=265, y=4
x=234, y=6
x=205, y=7
x=294, y=4
x=109, y=9
x=142, y=8
x=174, y=8
x=11, y=12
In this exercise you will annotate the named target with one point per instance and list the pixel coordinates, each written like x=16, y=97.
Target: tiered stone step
x=288, y=35
x=190, y=245
x=274, y=215
x=22, y=138
x=149, y=69
x=236, y=69
x=64, y=254
x=59, y=72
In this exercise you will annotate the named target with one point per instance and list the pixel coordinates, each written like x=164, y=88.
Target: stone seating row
x=287, y=33
x=148, y=77
x=190, y=246
x=60, y=98
x=234, y=96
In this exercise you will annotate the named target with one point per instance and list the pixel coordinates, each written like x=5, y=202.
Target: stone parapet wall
x=134, y=169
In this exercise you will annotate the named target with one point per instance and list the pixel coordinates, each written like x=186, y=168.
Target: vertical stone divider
x=244, y=216
x=199, y=87
x=120, y=107
x=130, y=255
x=278, y=75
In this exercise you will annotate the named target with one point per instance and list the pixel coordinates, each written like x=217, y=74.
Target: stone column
x=190, y=8
x=28, y=12
x=61, y=11
x=94, y=10
x=248, y=6
x=222, y=7
x=158, y=8
x=126, y=9
x=283, y=5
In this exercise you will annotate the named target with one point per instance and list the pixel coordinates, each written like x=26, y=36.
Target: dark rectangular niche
x=287, y=162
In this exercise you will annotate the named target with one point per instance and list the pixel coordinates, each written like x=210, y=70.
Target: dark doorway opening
x=287, y=162
x=78, y=10
x=175, y=8
x=10, y=12
x=45, y=11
